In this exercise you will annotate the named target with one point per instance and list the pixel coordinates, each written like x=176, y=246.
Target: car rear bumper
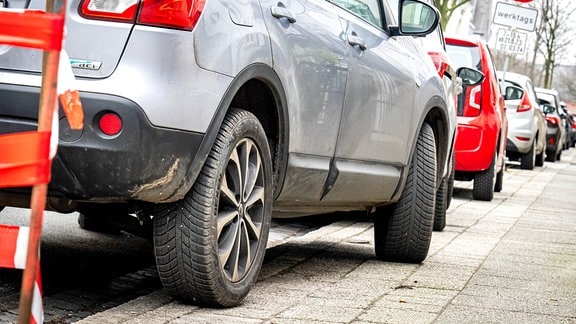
x=142, y=162
x=474, y=148
x=519, y=141
x=552, y=138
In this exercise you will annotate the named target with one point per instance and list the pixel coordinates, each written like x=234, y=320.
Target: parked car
x=526, y=122
x=570, y=126
x=573, y=130
x=482, y=126
x=435, y=45
x=204, y=119
x=556, y=130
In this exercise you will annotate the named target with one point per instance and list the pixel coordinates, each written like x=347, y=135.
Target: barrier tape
x=13, y=251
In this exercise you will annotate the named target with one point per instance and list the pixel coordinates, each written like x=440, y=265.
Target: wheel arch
x=438, y=119
x=436, y=116
x=256, y=89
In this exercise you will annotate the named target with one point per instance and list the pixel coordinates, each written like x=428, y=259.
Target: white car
x=526, y=140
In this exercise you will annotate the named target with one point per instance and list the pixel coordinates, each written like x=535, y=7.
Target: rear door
x=375, y=138
x=310, y=57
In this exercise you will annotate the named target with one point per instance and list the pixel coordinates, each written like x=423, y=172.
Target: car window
x=464, y=56
x=368, y=10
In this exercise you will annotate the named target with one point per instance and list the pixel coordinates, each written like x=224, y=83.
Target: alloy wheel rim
x=240, y=210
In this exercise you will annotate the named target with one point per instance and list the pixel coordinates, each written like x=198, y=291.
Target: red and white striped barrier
x=13, y=252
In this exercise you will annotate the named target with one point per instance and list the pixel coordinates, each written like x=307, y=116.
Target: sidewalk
x=512, y=260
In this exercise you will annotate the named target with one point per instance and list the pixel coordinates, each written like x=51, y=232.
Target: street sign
x=515, y=16
x=511, y=41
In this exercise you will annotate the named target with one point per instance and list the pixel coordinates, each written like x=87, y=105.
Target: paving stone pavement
x=512, y=260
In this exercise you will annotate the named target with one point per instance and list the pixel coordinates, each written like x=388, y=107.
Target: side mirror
x=513, y=93
x=470, y=76
x=416, y=19
x=548, y=109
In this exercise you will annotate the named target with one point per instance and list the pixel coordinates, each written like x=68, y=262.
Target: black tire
x=2, y=208
x=499, y=180
x=100, y=219
x=484, y=183
x=528, y=160
x=404, y=235
x=451, y=182
x=210, y=246
x=440, y=208
x=540, y=158
x=550, y=156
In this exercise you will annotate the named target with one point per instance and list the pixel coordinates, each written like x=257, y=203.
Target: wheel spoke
x=243, y=254
x=225, y=218
x=231, y=186
x=253, y=172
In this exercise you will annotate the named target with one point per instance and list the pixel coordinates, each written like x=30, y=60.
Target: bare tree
x=553, y=35
x=447, y=8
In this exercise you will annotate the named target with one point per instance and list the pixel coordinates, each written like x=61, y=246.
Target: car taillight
x=178, y=14
x=473, y=100
x=181, y=14
x=439, y=60
x=115, y=10
x=525, y=104
x=553, y=120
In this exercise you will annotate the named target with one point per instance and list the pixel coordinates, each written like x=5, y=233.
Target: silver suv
x=204, y=119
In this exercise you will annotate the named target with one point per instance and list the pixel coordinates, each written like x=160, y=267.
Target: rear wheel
x=210, y=246
x=451, y=182
x=441, y=206
x=540, y=158
x=499, y=179
x=101, y=218
x=551, y=156
x=528, y=160
x=404, y=235
x=484, y=182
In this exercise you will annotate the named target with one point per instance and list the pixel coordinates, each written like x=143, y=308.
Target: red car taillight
x=439, y=60
x=179, y=14
x=553, y=120
x=525, y=104
x=183, y=14
x=472, y=103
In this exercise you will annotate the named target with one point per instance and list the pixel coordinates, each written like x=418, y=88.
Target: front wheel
x=405, y=234
x=210, y=246
x=441, y=206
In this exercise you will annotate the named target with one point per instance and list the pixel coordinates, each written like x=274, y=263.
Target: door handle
x=355, y=40
x=281, y=12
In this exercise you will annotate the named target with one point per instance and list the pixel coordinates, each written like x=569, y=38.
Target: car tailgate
x=95, y=47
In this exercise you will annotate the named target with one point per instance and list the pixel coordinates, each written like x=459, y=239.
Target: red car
x=482, y=126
